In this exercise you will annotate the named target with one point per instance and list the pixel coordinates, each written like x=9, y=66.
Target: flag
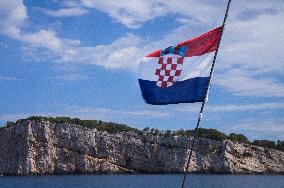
x=180, y=73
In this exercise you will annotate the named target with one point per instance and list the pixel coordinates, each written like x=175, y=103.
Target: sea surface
x=143, y=181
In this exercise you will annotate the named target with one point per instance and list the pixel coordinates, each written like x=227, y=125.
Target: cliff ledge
x=42, y=147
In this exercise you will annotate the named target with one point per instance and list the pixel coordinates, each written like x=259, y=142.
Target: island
x=47, y=145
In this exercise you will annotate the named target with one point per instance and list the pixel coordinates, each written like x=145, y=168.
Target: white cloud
x=64, y=12
x=91, y=112
x=232, y=107
x=12, y=13
x=242, y=83
x=122, y=53
x=245, y=107
x=7, y=78
x=256, y=43
x=71, y=77
x=47, y=40
x=43, y=38
x=266, y=129
x=250, y=61
x=13, y=16
x=132, y=13
x=251, y=47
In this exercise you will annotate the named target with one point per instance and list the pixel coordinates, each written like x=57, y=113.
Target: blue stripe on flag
x=187, y=91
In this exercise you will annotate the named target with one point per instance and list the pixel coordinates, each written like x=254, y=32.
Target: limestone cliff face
x=46, y=148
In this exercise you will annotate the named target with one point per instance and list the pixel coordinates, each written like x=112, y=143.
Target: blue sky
x=79, y=59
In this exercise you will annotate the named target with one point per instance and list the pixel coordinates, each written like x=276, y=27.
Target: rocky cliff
x=46, y=148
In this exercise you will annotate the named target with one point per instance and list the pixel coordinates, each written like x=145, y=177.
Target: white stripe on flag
x=197, y=66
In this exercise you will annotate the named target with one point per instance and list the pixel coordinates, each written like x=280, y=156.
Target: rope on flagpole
x=195, y=134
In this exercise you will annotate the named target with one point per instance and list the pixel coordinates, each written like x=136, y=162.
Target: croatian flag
x=180, y=73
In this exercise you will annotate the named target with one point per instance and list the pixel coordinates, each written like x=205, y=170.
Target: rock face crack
x=47, y=148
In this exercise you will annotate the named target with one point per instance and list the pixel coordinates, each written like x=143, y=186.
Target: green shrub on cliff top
x=238, y=138
x=92, y=124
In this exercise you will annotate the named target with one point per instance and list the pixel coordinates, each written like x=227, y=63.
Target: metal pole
x=206, y=96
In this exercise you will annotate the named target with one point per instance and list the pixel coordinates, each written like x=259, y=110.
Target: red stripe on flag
x=198, y=46
x=169, y=60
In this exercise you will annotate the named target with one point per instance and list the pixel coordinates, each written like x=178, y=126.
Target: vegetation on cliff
x=92, y=124
x=116, y=128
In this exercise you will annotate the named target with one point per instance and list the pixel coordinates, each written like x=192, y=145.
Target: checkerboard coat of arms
x=170, y=65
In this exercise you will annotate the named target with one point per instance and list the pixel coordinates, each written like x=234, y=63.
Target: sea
x=143, y=181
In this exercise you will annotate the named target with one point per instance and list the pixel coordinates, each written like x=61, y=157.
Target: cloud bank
x=250, y=62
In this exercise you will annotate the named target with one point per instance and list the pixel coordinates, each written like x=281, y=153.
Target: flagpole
x=195, y=134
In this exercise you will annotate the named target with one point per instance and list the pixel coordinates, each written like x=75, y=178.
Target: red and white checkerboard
x=168, y=71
